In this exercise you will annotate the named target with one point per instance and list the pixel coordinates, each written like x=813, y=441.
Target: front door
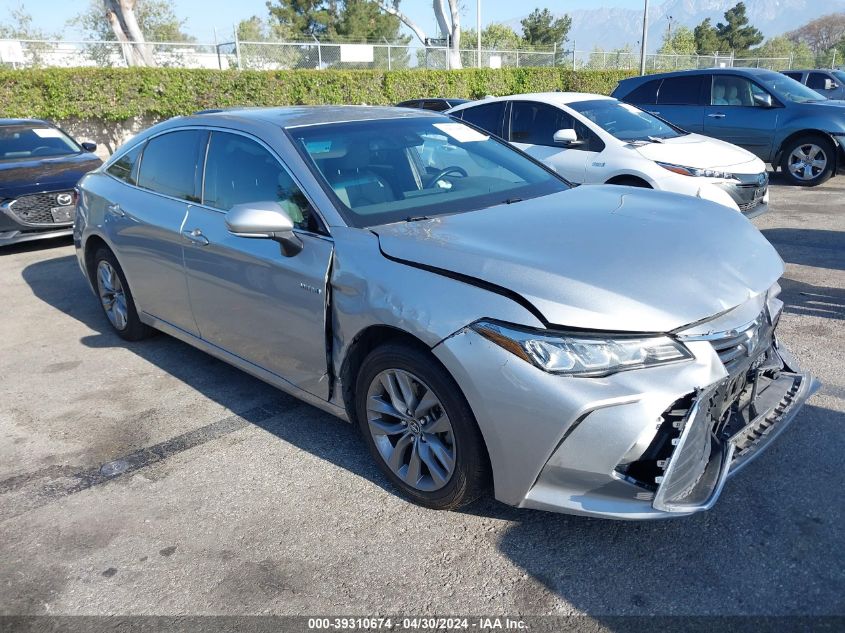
x=735, y=116
x=247, y=297
x=532, y=128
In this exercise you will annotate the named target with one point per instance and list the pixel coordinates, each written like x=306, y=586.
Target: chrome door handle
x=195, y=237
x=115, y=210
x=717, y=115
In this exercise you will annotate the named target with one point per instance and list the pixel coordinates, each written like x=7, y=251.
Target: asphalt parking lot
x=149, y=478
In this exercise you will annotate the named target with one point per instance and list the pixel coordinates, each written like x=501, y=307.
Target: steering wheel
x=443, y=172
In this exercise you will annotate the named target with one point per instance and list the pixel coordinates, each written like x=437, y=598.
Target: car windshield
x=390, y=170
x=34, y=141
x=624, y=121
x=789, y=89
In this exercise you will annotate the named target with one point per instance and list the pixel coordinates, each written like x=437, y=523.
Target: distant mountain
x=614, y=27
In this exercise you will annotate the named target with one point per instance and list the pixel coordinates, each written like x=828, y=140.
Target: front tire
x=419, y=428
x=116, y=298
x=809, y=161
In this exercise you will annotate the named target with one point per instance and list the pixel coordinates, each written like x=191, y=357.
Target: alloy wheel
x=411, y=430
x=112, y=295
x=807, y=162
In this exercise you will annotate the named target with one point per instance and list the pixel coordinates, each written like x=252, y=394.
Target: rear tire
x=116, y=298
x=809, y=160
x=419, y=427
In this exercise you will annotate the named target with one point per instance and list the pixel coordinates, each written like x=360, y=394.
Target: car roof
x=558, y=98
x=24, y=122
x=702, y=71
x=295, y=116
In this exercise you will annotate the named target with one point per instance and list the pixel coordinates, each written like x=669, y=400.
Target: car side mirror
x=567, y=137
x=264, y=220
x=88, y=146
x=829, y=84
x=764, y=100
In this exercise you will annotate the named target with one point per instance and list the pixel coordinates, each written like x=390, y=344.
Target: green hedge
x=115, y=94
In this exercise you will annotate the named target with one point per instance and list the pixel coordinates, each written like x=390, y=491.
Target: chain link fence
x=342, y=55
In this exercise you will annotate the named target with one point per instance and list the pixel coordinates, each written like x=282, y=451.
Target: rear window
x=34, y=141
x=487, y=116
x=170, y=164
x=684, y=90
x=644, y=94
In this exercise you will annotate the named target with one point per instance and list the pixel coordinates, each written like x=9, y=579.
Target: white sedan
x=593, y=139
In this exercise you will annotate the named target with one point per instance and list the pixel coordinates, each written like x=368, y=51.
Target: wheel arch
x=92, y=245
x=778, y=158
x=369, y=339
x=628, y=179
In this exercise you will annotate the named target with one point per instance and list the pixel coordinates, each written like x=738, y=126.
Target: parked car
x=591, y=139
x=596, y=350
x=828, y=83
x=438, y=105
x=39, y=167
x=779, y=119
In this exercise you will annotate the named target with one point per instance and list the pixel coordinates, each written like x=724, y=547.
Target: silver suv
x=606, y=351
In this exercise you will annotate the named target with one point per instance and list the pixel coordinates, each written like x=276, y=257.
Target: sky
x=203, y=16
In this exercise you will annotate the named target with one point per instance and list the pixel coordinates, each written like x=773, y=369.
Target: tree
x=736, y=33
x=681, y=42
x=153, y=21
x=20, y=26
x=541, y=28
x=495, y=36
x=450, y=27
x=303, y=18
x=706, y=39
x=821, y=34
x=783, y=48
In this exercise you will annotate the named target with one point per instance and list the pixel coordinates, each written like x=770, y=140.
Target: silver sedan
x=606, y=351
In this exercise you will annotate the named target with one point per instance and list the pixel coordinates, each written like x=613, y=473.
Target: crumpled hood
x=601, y=257
x=20, y=177
x=694, y=150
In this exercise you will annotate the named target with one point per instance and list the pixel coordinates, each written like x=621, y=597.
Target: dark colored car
x=782, y=121
x=437, y=105
x=39, y=168
x=828, y=83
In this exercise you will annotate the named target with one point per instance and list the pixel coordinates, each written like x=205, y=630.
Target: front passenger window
x=536, y=123
x=239, y=170
x=730, y=90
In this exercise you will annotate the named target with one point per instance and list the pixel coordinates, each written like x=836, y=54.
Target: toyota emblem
x=64, y=199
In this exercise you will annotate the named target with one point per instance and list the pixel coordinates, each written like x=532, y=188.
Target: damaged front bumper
x=644, y=444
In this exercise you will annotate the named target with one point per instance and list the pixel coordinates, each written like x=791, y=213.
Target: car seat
x=719, y=95
x=352, y=179
x=733, y=96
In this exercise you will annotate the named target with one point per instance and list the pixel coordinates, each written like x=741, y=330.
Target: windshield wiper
x=511, y=200
x=656, y=139
x=417, y=218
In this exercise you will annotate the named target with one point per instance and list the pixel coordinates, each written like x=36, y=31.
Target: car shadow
x=809, y=247
x=59, y=283
x=36, y=245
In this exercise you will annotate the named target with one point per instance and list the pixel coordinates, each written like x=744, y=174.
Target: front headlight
x=581, y=354
x=695, y=171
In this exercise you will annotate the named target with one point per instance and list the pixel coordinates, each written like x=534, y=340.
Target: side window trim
x=322, y=225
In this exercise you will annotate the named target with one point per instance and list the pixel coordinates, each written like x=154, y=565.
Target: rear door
x=247, y=297
x=736, y=117
x=531, y=128
x=145, y=221
x=681, y=100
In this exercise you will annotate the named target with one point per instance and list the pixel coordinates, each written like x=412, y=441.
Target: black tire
x=630, y=181
x=811, y=140
x=134, y=329
x=471, y=474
